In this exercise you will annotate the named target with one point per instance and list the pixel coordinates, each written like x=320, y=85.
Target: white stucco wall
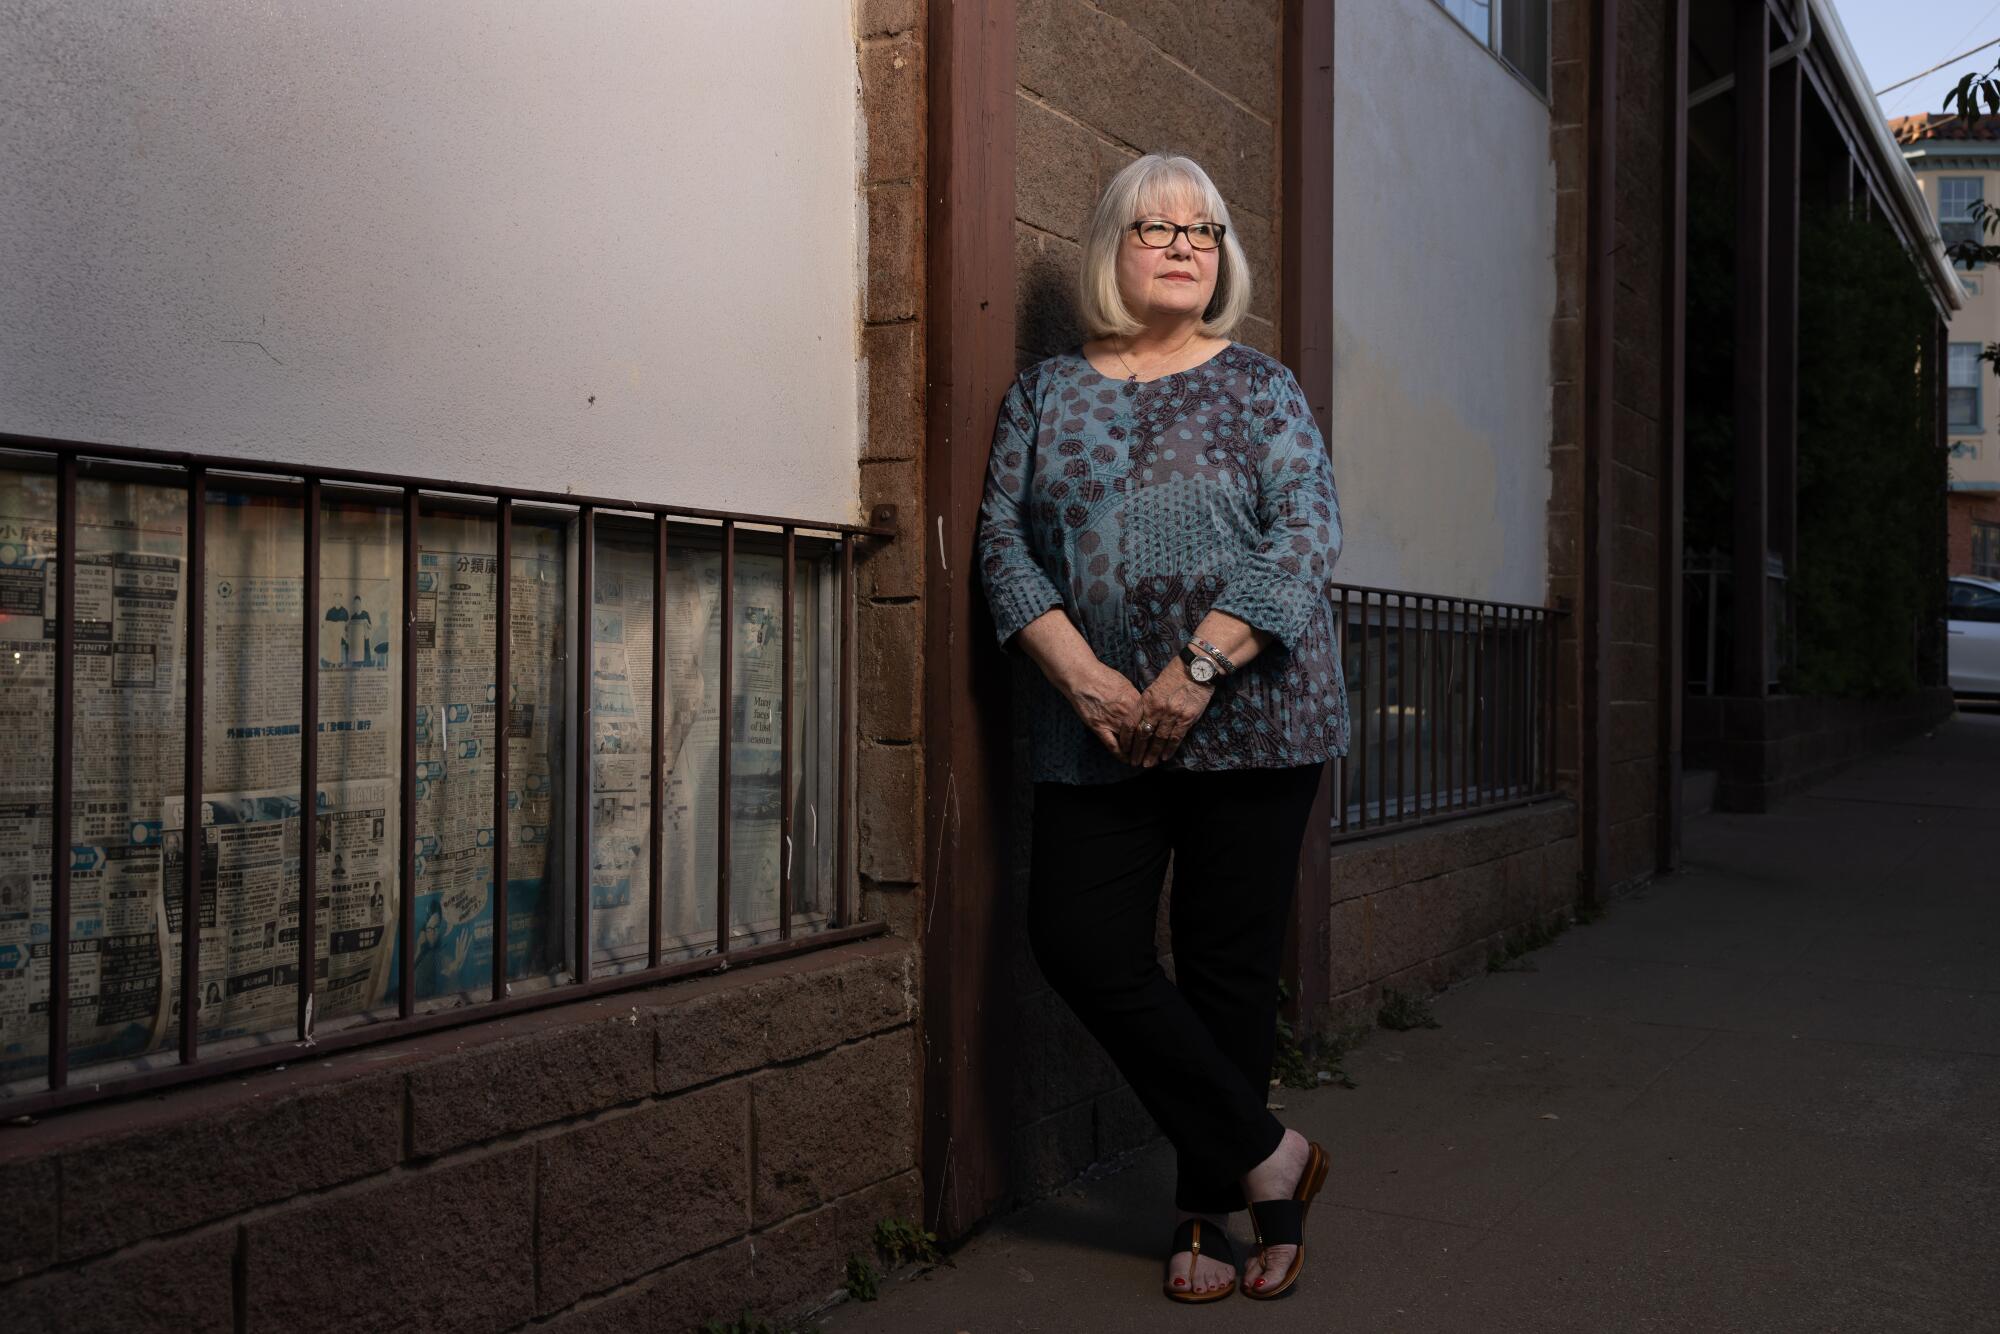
x=420, y=237
x=1443, y=288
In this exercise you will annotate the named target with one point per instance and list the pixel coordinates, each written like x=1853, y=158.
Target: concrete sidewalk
x=1760, y=1095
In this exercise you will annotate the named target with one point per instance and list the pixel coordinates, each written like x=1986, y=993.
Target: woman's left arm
x=1278, y=586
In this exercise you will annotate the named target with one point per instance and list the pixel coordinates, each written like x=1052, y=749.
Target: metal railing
x=311, y=491
x=1452, y=705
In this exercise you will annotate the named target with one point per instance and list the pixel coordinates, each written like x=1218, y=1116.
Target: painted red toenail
x=1180, y=1283
x=1260, y=1282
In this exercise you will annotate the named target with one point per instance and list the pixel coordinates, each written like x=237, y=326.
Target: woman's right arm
x=1107, y=703
x=1027, y=606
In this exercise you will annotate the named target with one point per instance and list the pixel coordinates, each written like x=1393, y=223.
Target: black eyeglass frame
x=1180, y=230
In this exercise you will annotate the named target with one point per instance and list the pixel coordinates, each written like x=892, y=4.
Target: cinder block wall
x=1645, y=110
x=1416, y=911
x=1569, y=145
x=640, y=1162
x=889, y=620
x=1632, y=543
x=1099, y=85
x=1102, y=83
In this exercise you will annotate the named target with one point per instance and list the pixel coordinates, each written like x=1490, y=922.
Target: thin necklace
x=1133, y=378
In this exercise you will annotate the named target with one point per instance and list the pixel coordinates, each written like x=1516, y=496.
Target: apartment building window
x=1956, y=196
x=1964, y=387
x=1515, y=30
x=1986, y=549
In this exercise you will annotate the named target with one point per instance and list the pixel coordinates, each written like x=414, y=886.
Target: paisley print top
x=1137, y=509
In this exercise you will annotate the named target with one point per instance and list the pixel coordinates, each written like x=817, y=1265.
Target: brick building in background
x=1954, y=160
x=1467, y=242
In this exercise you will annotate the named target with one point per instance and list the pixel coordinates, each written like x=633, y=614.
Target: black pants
x=1196, y=1049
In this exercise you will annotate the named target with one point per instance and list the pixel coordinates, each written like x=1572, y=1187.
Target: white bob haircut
x=1145, y=189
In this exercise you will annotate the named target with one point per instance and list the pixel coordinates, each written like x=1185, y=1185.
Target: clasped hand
x=1142, y=728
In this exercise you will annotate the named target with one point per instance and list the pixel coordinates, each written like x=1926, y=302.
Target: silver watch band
x=1212, y=651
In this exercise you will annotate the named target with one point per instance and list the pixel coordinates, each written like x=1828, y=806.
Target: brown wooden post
x=1782, y=406
x=1305, y=334
x=1749, y=589
x=1673, y=417
x=967, y=922
x=1600, y=286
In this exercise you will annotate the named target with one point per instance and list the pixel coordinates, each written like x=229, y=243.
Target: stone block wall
x=889, y=615
x=1569, y=145
x=1764, y=749
x=1418, y=910
x=1099, y=84
x=1637, y=448
x=1639, y=443
x=1102, y=83
x=639, y=1162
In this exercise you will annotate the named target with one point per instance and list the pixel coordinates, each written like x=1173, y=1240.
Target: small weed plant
x=747, y=1323
x=1509, y=955
x=1293, y=1068
x=1401, y=1012
x=863, y=1283
x=899, y=1241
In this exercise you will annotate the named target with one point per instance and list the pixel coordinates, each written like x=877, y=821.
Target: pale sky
x=1896, y=38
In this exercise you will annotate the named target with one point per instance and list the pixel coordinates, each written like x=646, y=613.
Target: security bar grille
x=386, y=823
x=1452, y=707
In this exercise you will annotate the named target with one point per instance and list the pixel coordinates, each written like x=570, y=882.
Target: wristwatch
x=1202, y=669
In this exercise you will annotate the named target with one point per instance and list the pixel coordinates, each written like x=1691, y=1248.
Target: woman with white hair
x=1158, y=535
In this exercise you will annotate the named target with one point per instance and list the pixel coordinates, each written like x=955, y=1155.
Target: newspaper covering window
x=622, y=666
x=127, y=676
x=455, y=715
x=253, y=627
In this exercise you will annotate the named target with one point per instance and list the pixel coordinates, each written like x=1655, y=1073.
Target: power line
x=1940, y=65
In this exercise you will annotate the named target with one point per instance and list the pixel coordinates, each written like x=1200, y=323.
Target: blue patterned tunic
x=1137, y=509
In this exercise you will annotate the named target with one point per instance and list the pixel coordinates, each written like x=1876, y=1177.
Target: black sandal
x=1188, y=1237
x=1283, y=1223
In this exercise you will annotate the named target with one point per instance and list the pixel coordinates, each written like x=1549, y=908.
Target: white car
x=1974, y=627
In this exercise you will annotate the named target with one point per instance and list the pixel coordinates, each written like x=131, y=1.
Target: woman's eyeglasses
x=1158, y=234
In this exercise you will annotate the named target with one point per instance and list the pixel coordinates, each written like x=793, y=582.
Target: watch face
x=1201, y=669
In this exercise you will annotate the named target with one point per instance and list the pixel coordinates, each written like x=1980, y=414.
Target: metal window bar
x=585, y=722
x=1377, y=740
x=1462, y=649
x=724, y=910
x=843, y=879
x=1435, y=703
x=193, y=728
x=406, y=911
x=1342, y=774
x=311, y=487
x=1402, y=703
x=503, y=722
x=785, y=741
x=656, y=851
x=1473, y=712
x=309, y=563
x=60, y=834
x=1359, y=721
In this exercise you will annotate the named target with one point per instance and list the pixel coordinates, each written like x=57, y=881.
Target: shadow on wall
x=1045, y=298
x=1070, y=1108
